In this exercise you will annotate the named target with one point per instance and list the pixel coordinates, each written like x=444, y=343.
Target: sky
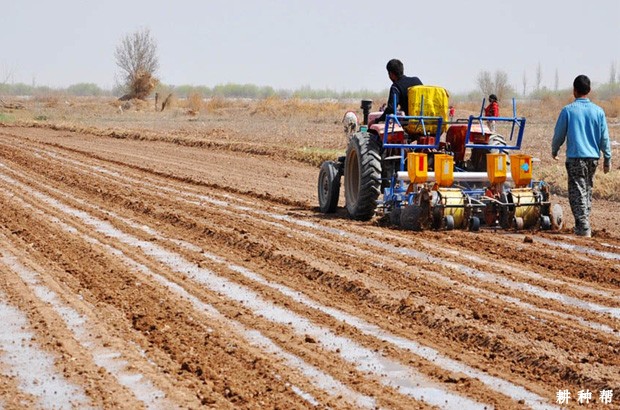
x=289, y=44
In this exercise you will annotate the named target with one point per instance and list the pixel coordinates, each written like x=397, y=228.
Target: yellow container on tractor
x=444, y=169
x=521, y=168
x=430, y=101
x=417, y=167
x=496, y=168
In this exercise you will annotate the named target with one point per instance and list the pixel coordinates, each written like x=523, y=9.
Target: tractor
x=424, y=172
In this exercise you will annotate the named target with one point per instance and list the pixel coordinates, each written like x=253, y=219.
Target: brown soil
x=178, y=256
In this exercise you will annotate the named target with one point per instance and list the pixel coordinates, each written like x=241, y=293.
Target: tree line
x=251, y=91
x=230, y=90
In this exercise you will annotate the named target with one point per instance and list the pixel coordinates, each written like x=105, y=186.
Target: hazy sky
x=341, y=45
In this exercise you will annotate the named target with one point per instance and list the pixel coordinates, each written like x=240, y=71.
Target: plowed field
x=146, y=274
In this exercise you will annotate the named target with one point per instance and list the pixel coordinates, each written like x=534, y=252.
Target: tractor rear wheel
x=362, y=176
x=328, y=187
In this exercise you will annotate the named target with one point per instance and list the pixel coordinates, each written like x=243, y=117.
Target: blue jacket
x=583, y=126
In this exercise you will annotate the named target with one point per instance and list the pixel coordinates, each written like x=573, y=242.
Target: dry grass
x=312, y=110
x=141, y=85
x=47, y=101
x=219, y=103
x=612, y=108
x=195, y=102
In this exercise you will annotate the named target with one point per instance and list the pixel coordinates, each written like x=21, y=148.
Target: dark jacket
x=399, y=89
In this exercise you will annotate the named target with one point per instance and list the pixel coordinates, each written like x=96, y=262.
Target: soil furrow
x=187, y=229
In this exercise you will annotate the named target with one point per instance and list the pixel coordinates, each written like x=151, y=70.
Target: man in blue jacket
x=582, y=124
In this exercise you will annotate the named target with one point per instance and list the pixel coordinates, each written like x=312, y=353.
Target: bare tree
x=6, y=76
x=136, y=56
x=538, y=77
x=557, y=81
x=612, y=73
x=496, y=84
x=485, y=83
x=524, y=83
x=502, y=88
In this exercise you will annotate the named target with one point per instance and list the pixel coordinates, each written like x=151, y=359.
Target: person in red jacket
x=492, y=110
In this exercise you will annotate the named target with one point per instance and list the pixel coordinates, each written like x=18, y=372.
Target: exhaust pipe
x=366, y=107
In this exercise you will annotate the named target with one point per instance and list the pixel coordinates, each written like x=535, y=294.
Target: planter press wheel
x=545, y=223
x=557, y=217
x=448, y=221
x=518, y=223
x=474, y=224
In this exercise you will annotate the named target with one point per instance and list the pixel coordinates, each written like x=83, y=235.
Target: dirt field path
x=144, y=274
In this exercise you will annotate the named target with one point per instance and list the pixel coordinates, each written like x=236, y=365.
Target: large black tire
x=362, y=176
x=328, y=187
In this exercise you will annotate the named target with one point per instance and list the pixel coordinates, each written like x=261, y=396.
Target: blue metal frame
x=518, y=122
x=398, y=195
x=395, y=120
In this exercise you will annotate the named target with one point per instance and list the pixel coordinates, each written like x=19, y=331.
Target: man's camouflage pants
x=580, y=180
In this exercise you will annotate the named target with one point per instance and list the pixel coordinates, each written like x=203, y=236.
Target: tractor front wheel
x=362, y=176
x=329, y=187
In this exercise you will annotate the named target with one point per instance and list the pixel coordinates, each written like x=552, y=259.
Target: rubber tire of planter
x=518, y=223
x=362, y=176
x=474, y=224
x=545, y=223
x=328, y=187
x=557, y=217
x=448, y=221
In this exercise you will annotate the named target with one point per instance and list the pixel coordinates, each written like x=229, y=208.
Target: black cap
x=492, y=97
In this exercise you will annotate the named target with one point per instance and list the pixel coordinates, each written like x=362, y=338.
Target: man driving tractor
x=400, y=85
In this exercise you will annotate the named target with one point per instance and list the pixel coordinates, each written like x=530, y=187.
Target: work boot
x=587, y=233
